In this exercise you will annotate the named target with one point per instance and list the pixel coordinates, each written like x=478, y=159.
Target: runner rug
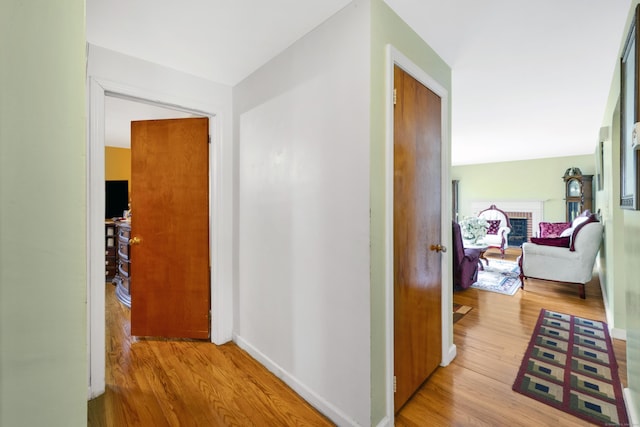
x=498, y=276
x=570, y=365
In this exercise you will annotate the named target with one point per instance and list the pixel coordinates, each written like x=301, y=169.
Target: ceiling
x=529, y=79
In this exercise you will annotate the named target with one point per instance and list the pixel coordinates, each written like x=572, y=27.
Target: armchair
x=499, y=228
x=569, y=258
x=465, y=261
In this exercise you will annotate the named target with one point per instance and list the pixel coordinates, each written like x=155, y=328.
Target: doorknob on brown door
x=135, y=240
x=438, y=248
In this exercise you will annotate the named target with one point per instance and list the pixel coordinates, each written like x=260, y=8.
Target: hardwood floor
x=475, y=389
x=194, y=383
x=188, y=383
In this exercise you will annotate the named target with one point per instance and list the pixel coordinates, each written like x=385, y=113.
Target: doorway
x=220, y=220
x=448, y=349
x=417, y=244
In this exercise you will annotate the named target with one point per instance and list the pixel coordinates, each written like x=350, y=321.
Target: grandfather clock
x=578, y=192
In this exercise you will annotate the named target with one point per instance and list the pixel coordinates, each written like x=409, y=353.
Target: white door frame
x=395, y=57
x=221, y=287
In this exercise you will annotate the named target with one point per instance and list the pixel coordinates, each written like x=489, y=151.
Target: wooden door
x=417, y=226
x=170, y=294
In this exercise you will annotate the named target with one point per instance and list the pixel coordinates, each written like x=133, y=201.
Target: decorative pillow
x=553, y=229
x=562, y=242
x=579, y=220
x=494, y=226
x=576, y=228
x=567, y=233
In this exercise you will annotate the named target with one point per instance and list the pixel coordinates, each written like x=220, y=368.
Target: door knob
x=438, y=248
x=135, y=241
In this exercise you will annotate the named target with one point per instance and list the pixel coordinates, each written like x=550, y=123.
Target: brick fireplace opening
x=529, y=210
x=521, y=230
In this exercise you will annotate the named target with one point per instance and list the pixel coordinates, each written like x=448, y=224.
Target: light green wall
x=539, y=179
x=43, y=351
x=611, y=258
x=387, y=28
x=622, y=237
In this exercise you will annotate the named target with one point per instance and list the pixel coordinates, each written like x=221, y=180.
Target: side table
x=482, y=247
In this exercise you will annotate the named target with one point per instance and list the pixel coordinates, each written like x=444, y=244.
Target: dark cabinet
x=123, y=277
x=110, y=250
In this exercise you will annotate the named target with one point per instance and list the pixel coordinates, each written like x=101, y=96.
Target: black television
x=116, y=198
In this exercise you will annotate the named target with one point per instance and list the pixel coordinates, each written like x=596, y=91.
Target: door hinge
x=394, y=383
x=209, y=139
x=395, y=96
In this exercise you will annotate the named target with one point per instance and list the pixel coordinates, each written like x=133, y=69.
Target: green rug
x=570, y=365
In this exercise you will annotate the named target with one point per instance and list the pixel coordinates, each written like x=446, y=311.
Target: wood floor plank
x=157, y=382
x=475, y=389
x=171, y=383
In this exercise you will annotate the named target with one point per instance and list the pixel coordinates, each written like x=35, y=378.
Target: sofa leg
x=581, y=290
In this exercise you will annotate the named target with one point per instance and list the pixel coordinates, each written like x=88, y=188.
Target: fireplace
x=528, y=210
x=520, y=228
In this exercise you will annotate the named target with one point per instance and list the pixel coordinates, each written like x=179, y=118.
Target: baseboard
x=634, y=418
x=385, y=422
x=451, y=354
x=326, y=408
x=617, y=333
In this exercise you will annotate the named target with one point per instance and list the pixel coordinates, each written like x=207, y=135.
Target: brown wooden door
x=417, y=211
x=170, y=294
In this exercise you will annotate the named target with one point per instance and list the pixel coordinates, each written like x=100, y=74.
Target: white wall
x=304, y=291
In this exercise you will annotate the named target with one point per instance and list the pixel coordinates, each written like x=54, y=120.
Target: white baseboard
x=634, y=418
x=451, y=354
x=385, y=422
x=619, y=334
x=326, y=408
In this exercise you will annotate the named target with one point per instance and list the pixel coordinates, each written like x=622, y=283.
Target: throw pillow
x=578, y=227
x=553, y=229
x=562, y=242
x=579, y=220
x=494, y=226
x=567, y=233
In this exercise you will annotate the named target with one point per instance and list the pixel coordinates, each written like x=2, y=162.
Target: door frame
x=395, y=57
x=220, y=198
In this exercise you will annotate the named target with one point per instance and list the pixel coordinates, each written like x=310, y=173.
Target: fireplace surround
x=532, y=210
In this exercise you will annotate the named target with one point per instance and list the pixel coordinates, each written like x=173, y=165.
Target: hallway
x=188, y=383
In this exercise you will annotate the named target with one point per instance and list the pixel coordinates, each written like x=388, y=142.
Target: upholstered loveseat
x=568, y=258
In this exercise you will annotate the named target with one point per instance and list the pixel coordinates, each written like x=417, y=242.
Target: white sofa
x=562, y=264
x=498, y=235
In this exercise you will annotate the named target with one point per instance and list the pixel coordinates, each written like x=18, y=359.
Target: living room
x=339, y=308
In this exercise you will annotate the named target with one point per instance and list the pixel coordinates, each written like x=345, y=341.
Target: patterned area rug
x=459, y=311
x=570, y=365
x=499, y=276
